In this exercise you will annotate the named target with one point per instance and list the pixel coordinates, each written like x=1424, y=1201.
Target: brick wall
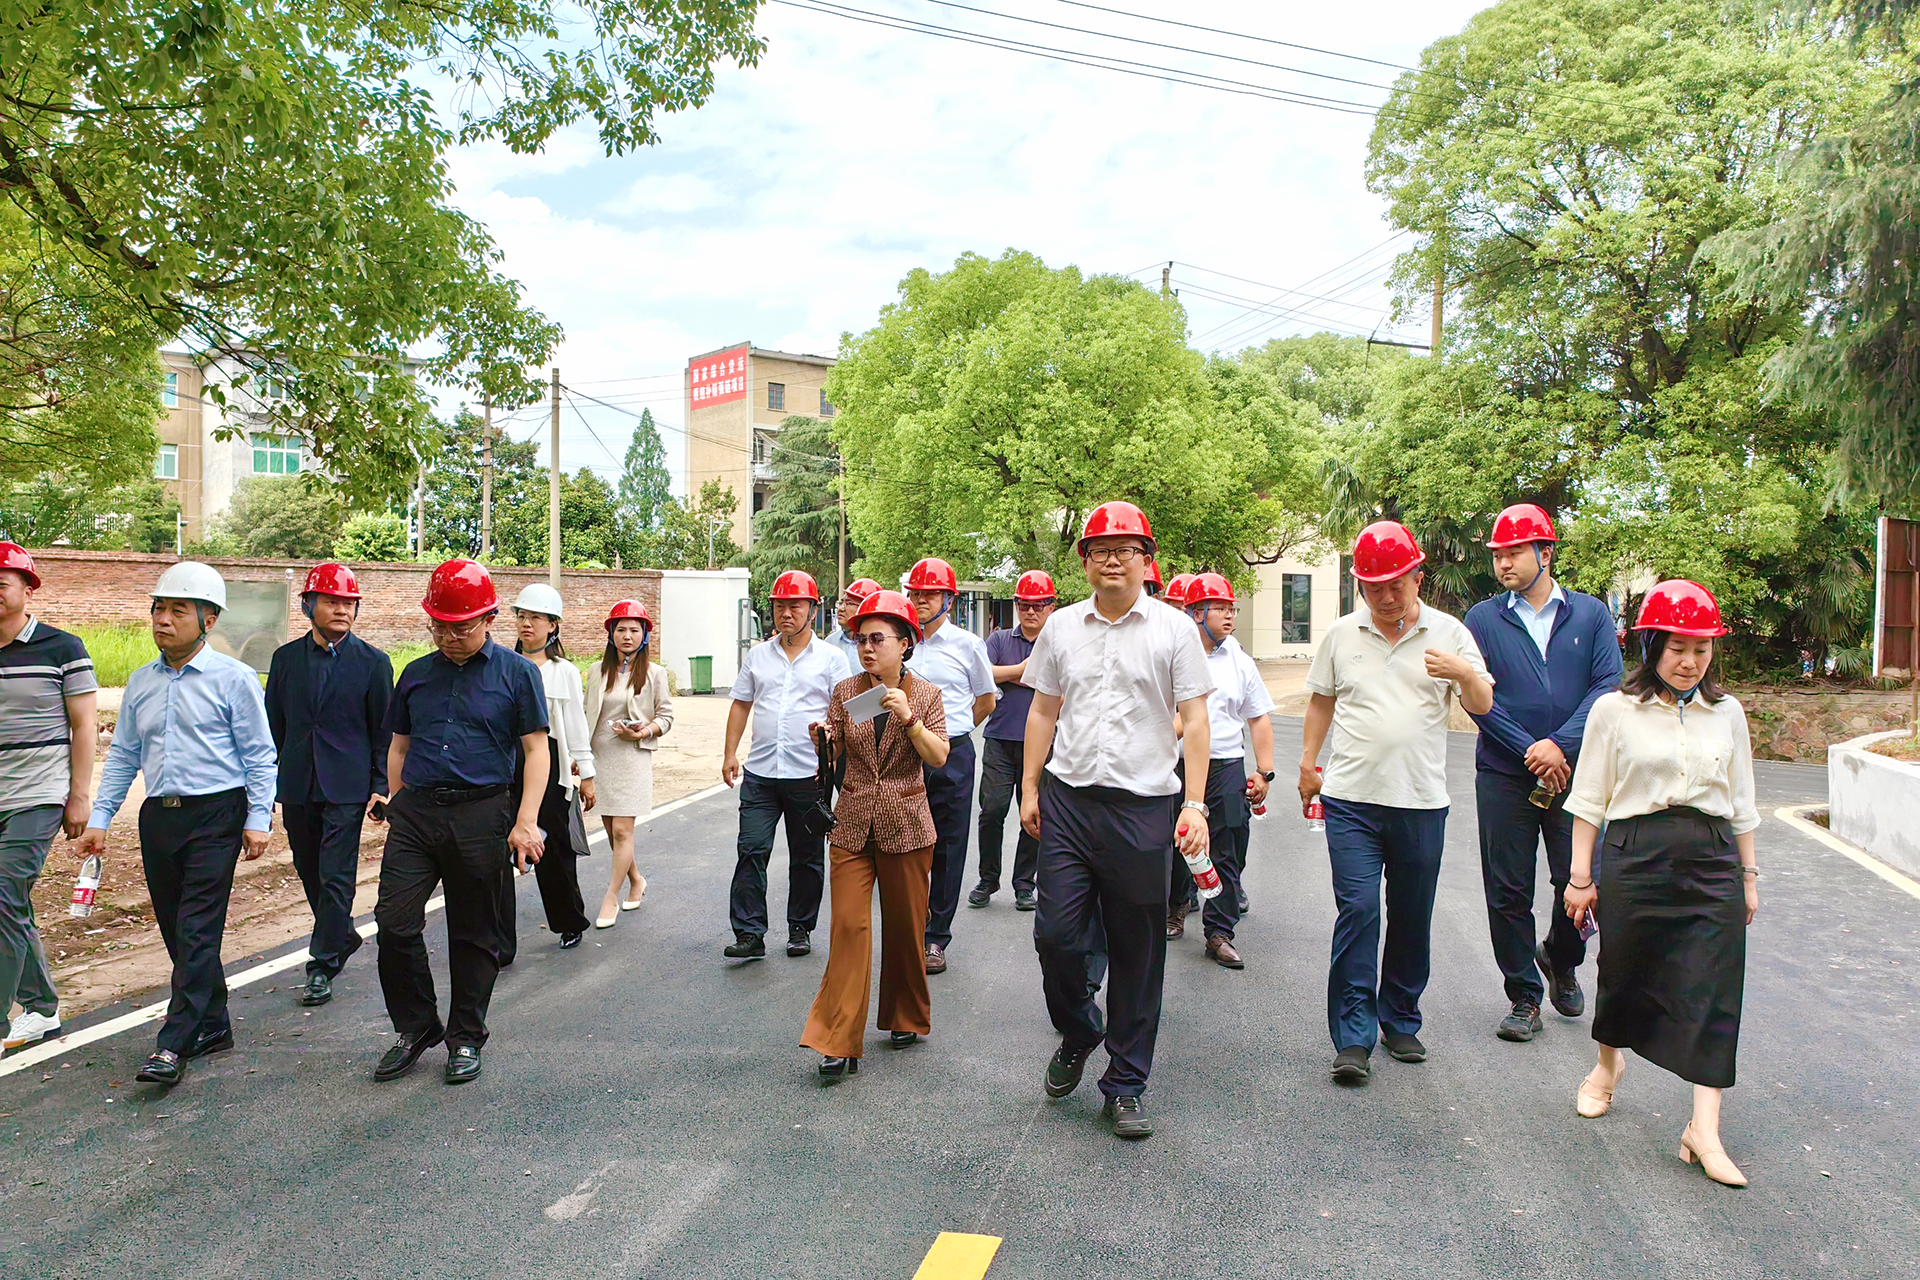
x=105, y=588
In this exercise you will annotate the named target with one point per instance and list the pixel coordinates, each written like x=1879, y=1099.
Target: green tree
x=996, y=404
x=646, y=486
x=379, y=537
x=286, y=517
x=269, y=182
x=799, y=527
x=589, y=522
x=454, y=487
x=697, y=534
x=49, y=510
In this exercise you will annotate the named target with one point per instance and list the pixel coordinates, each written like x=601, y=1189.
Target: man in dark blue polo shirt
x=1551, y=653
x=461, y=718
x=327, y=696
x=1005, y=742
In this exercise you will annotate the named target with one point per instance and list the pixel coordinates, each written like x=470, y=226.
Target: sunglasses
x=872, y=639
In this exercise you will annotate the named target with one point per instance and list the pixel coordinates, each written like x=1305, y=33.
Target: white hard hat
x=191, y=580
x=538, y=598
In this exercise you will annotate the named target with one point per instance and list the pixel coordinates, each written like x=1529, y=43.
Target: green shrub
x=116, y=651
x=372, y=536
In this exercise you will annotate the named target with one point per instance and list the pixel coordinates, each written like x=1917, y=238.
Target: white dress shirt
x=955, y=661
x=1239, y=695
x=1644, y=756
x=567, y=719
x=787, y=696
x=1118, y=683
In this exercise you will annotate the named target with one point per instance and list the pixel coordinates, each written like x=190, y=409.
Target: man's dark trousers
x=1001, y=761
x=950, y=797
x=1366, y=992
x=326, y=852
x=1511, y=829
x=763, y=803
x=1103, y=862
x=1229, y=831
x=189, y=847
x=463, y=848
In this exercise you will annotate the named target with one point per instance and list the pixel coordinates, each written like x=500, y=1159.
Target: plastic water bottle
x=85, y=886
x=1259, y=809
x=1316, y=812
x=1205, y=878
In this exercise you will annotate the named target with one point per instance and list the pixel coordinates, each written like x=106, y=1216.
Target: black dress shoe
x=747, y=946
x=1129, y=1118
x=835, y=1068
x=399, y=1060
x=569, y=940
x=982, y=894
x=463, y=1064
x=318, y=991
x=1563, y=986
x=1350, y=1065
x=1024, y=900
x=164, y=1067
x=901, y=1039
x=218, y=1042
x=1404, y=1046
x=1063, y=1073
x=799, y=942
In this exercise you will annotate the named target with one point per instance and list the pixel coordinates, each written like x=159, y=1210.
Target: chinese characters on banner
x=717, y=378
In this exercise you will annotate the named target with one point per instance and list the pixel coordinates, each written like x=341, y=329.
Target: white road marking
x=1790, y=815
x=569, y=1207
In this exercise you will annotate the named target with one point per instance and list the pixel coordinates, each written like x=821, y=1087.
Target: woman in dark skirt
x=1667, y=768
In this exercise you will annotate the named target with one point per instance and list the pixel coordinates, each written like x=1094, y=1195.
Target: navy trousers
x=326, y=852
x=950, y=796
x=1368, y=991
x=1001, y=761
x=1512, y=828
x=763, y=803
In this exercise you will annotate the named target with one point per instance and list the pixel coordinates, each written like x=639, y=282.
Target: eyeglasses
x=458, y=630
x=872, y=639
x=1115, y=555
x=1034, y=605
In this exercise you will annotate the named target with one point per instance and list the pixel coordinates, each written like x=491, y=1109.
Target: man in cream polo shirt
x=1381, y=681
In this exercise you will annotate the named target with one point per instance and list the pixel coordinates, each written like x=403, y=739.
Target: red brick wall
x=104, y=588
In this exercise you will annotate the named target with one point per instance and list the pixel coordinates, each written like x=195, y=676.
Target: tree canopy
x=799, y=527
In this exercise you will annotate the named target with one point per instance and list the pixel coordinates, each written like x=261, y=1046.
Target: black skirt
x=1673, y=943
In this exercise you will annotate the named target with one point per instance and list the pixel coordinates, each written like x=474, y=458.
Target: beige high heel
x=1715, y=1163
x=633, y=902
x=1592, y=1101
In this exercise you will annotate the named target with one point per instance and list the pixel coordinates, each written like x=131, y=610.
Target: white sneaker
x=30, y=1027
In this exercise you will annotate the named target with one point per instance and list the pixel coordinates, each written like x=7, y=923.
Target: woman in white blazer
x=536, y=614
x=628, y=709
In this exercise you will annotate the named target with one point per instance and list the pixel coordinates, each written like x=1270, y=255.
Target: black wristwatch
x=1268, y=774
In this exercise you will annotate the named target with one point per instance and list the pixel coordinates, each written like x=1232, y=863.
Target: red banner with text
x=717, y=378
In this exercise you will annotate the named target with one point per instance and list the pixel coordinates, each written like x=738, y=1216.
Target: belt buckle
x=169, y=802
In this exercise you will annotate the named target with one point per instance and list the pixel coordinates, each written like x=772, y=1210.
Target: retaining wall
x=1799, y=726
x=1874, y=801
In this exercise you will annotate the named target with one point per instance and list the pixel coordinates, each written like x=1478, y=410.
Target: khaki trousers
x=836, y=1023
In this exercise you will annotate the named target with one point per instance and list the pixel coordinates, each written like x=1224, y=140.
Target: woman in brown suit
x=883, y=835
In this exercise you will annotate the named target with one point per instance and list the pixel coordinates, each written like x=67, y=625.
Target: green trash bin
x=702, y=671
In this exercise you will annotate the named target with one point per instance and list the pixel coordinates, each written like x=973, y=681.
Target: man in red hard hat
x=1003, y=742
x=1382, y=680
x=1112, y=676
x=1552, y=654
x=850, y=601
x=955, y=661
x=327, y=696
x=462, y=717
x=785, y=684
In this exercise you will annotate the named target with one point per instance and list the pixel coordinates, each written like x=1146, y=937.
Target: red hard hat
x=795, y=585
x=1034, y=585
x=459, y=590
x=1117, y=519
x=1682, y=607
x=628, y=609
x=1385, y=550
x=1520, y=524
x=932, y=574
x=14, y=556
x=1177, y=589
x=1208, y=588
x=861, y=588
x=332, y=579
x=1153, y=572
x=891, y=604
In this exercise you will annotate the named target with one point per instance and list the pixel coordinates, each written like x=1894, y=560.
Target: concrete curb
x=1791, y=815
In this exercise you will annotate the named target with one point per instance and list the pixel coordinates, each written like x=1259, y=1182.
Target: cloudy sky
x=785, y=212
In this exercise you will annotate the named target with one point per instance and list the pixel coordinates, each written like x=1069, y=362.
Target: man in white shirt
x=956, y=662
x=1111, y=677
x=1381, y=680
x=1239, y=703
x=785, y=683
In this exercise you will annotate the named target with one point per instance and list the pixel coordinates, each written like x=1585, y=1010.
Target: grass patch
x=117, y=652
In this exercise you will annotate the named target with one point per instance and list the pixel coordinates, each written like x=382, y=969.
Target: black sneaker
x=747, y=946
x=1024, y=900
x=1350, y=1065
x=982, y=894
x=1523, y=1024
x=1129, y=1118
x=1063, y=1073
x=1563, y=986
x=799, y=942
x=1404, y=1046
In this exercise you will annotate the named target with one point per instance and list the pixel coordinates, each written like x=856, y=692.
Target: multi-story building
x=736, y=399
x=199, y=468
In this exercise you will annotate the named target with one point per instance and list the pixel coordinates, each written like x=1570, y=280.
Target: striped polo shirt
x=39, y=671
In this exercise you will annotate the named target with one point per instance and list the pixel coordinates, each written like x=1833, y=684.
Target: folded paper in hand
x=865, y=706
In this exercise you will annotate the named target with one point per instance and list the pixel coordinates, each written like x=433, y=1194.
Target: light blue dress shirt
x=844, y=643
x=787, y=697
x=1539, y=624
x=193, y=732
x=956, y=661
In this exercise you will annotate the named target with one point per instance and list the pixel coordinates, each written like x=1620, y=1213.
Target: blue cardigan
x=1533, y=699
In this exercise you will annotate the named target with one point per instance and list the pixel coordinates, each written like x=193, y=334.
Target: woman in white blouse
x=1667, y=768
x=629, y=708
x=536, y=613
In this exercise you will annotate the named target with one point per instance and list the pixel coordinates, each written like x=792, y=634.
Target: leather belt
x=444, y=796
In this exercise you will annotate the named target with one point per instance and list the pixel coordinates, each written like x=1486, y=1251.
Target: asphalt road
x=646, y=1111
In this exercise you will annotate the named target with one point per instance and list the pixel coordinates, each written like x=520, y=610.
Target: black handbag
x=577, y=827
x=817, y=819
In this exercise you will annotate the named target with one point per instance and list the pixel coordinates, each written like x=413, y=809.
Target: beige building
x=1295, y=602
x=736, y=399
x=193, y=463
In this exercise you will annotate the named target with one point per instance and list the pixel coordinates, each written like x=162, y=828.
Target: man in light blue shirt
x=194, y=723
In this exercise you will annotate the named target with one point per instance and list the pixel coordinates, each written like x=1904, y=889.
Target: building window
x=1296, y=608
x=170, y=391
x=167, y=465
x=759, y=500
x=777, y=395
x=826, y=405
x=275, y=456
x=1346, y=586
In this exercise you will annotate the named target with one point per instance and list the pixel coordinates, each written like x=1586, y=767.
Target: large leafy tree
x=646, y=486
x=266, y=181
x=288, y=517
x=454, y=485
x=47, y=510
x=589, y=521
x=799, y=527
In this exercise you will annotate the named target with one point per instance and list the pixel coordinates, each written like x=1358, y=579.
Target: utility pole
x=420, y=511
x=1166, y=280
x=486, y=482
x=1439, y=310
x=840, y=580
x=553, y=489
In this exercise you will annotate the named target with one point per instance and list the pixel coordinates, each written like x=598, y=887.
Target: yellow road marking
x=955, y=1256
x=1792, y=818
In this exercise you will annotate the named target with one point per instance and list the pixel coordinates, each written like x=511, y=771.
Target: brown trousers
x=836, y=1023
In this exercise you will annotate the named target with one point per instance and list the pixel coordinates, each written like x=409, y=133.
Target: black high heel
x=834, y=1068
x=901, y=1039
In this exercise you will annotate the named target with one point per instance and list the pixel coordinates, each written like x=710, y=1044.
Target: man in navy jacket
x=327, y=696
x=1552, y=653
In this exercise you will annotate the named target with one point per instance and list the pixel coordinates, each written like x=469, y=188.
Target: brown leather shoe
x=1176, y=923
x=1220, y=951
x=936, y=958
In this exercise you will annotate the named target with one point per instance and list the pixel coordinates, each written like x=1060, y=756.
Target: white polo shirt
x=1389, y=739
x=1239, y=695
x=955, y=661
x=1118, y=683
x=787, y=696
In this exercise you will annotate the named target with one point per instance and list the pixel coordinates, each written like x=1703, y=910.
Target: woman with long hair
x=536, y=613
x=883, y=835
x=629, y=707
x=1667, y=767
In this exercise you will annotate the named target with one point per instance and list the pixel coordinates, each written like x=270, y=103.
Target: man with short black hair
x=1004, y=742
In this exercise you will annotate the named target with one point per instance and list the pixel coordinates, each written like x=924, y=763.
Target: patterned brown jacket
x=884, y=794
